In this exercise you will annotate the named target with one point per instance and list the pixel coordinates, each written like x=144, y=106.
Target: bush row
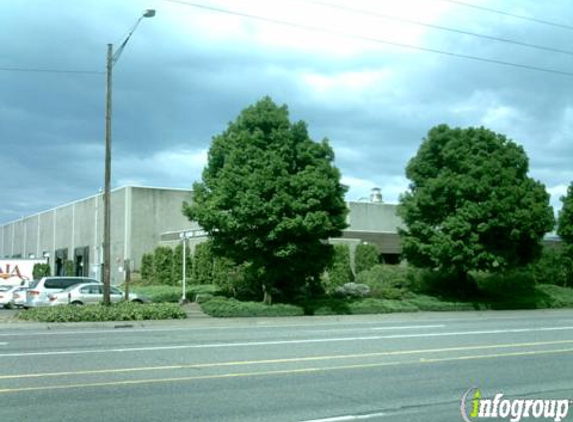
x=172, y=294
x=225, y=307
x=124, y=311
x=164, y=266
x=228, y=307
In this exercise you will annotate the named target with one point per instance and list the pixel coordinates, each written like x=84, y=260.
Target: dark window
x=60, y=262
x=54, y=283
x=96, y=290
x=81, y=261
x=68, y=282
x=390, y=258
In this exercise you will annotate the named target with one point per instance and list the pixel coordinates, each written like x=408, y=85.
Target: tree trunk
x=267, y=295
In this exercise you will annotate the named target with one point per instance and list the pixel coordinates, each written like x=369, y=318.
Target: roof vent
x=376, y=196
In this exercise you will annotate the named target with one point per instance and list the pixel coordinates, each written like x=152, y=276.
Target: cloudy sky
x=372, y=76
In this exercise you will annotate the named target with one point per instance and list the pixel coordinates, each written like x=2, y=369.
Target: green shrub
x=385, y=275
x=223, y=307
x=380, y=306
x=203, y=297
x=123, y=311
x=555, y=296
x=352, y=290
x=159, y=293
x=163, y=265
x=202, y=290
x=203, y=263
x=324, y=306
x=555, y=266
x=227, y=275
x=430, y=303
x=506, y=285
x=172, y=294
x=40, y=270
x=147, y=270
x=388, y=281
x=340, y=271
x=444, y=284
x=391, y=293
x=366, y=256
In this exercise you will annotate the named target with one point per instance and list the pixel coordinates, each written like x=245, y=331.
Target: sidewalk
x=193, y=310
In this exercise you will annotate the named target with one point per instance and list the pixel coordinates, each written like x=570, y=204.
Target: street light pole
x=107, y=182
x=111, y=60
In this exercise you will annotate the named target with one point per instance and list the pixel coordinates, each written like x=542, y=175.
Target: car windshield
x=33, y=284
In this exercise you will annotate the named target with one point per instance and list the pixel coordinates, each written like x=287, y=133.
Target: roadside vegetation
x=270, y=198
x=124, y=311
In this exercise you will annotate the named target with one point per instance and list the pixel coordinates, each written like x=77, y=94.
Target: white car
x=87, y=293
x=38, y=290
x=8, y=293
x=19, y=297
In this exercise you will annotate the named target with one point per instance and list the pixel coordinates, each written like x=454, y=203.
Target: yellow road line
x=291, y=360
x=276, y=372
x=497, y=355
x=197, y=377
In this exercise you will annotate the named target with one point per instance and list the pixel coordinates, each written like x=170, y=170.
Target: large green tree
x=270, y=197
x=565, y=219
x=471, y=205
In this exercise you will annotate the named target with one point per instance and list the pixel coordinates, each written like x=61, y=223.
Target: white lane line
x=348, y=418
x=3, y=344
x=409, y=327
x=285, y=342
x=136, y=330
x=397, y=327
x=139, y=327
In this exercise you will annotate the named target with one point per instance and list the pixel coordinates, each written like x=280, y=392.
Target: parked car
x=11, y=296
x=19, y=296
x=38, y=290
x=83, y=294
x=5, y=296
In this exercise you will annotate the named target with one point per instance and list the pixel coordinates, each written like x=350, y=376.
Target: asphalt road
x=400, y=367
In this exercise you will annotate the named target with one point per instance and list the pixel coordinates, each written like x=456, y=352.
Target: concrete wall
x=75, y=225
x=46, y=228
x=373, y=217
x=155, y=211
x=142, y=218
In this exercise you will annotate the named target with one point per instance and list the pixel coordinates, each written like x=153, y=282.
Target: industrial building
x=143, y=218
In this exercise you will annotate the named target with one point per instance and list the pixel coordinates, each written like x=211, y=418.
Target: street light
x=112, y=58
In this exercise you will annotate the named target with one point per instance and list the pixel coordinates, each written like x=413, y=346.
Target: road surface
x=400, y=367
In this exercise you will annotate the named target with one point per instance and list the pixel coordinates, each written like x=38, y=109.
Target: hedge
x=123, y=311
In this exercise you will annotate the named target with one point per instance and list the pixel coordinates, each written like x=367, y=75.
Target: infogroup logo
x=474, y=408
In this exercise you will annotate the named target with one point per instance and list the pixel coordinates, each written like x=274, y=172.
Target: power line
x=60, y=71
x=370, y=39
x=438, y=27
x=513, y=15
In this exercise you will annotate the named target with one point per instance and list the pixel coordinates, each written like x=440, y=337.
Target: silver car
x=87, y=293
x=19, y=296
x=38, y=290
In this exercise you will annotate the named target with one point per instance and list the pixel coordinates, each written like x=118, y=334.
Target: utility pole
x=111, y=60
x=107, y=182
